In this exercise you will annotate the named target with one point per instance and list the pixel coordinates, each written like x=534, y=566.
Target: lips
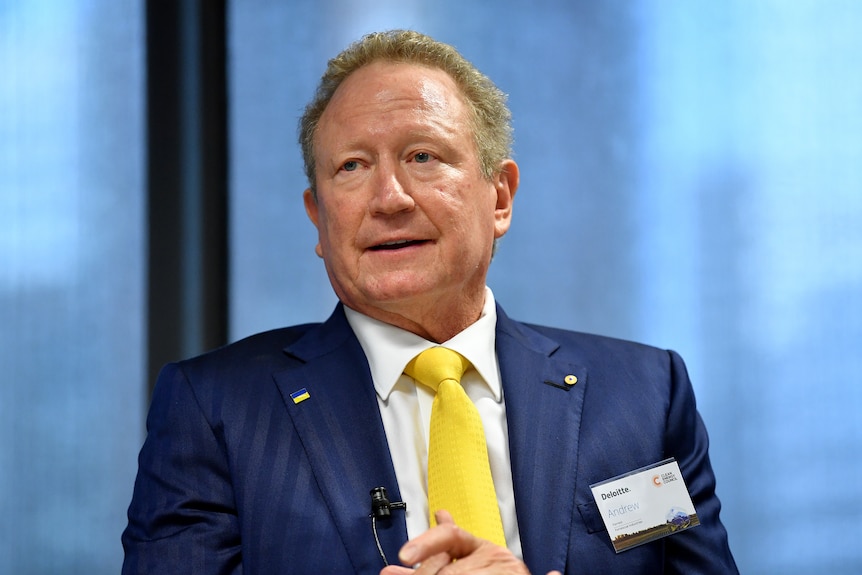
x=396, y=245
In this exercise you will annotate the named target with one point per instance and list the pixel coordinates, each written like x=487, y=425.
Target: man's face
x=405, y=219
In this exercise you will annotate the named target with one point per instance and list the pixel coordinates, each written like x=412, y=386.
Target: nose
x=390, y=195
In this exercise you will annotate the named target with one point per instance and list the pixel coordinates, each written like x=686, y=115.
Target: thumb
x=443, y=517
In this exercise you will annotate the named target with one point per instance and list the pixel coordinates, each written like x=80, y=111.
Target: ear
x=313, y=211
x=505, y=184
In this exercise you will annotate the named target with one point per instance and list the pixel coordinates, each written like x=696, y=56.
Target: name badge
x=645, y=504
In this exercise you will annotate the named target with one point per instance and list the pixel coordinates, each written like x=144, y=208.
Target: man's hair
x=490, y=118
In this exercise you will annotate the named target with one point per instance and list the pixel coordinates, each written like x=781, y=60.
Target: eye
x=422, y=157
x=350, y=166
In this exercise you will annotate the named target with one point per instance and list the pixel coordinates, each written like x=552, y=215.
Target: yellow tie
x=459, y=475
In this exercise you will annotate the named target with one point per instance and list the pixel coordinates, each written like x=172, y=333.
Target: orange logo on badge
x=656, y=480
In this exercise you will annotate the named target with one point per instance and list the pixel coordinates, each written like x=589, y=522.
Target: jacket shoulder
x=266, y=347
x=582, y=346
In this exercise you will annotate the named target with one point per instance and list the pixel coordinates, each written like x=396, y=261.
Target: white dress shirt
x=406, y=408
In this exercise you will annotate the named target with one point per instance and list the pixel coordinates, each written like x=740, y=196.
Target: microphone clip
x=381, y=507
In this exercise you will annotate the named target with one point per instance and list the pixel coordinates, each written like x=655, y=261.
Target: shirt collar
x=389, y=348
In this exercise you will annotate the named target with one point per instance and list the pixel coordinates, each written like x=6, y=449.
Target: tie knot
x=435, y=365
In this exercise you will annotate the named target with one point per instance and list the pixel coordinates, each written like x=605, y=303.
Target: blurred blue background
x=691, y=178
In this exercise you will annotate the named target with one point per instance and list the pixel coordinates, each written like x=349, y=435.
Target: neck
x=435, y=322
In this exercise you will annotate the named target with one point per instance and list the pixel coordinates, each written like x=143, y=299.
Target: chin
x=398, y=295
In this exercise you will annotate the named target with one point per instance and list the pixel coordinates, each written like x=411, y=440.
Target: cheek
x=478, y=208
x=338, y=228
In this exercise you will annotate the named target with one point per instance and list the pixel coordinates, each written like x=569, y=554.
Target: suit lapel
x=543, y=409
x=342, y=434
x=341, y=431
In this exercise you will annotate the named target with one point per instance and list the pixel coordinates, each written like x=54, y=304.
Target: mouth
x=397, y=245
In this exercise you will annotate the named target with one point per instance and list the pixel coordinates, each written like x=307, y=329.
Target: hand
x=435, y=550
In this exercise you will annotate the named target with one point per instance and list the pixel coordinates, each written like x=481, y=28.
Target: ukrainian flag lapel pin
x=300, y=395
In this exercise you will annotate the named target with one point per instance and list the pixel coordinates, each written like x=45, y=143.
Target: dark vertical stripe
x=187, y=179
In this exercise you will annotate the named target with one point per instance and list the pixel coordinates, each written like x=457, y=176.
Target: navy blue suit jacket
x=235, y=477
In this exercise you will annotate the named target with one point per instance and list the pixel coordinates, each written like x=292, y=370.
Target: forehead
x=382, y=87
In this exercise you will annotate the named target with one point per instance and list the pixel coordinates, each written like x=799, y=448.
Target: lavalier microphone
x=381, y=508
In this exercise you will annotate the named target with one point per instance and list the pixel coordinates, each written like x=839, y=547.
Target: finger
x=444, y=517
x=424, y=562
x=445, y=537
x=477, y=555
x=432, y=564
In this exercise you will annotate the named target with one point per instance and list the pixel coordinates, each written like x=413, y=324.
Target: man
x=260, y=456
